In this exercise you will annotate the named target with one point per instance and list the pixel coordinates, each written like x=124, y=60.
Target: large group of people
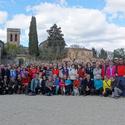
x=102, y=78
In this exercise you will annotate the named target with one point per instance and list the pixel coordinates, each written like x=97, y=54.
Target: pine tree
x=56, y=43
x=103, y=54
x=33, y=38
x=55, y=36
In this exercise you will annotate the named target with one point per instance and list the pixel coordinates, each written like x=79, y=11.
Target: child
x=68, y=84
x=89, y=85
x=76, y=85
x=25, y=83
x=35, y=84
x=62, y=86
x=19, y=85
x=49, y=86
x=11, y=86
x=107, y=86
x=56, y=84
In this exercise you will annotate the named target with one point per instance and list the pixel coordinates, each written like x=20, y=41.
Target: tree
x=11, y=50
x=55, y=37
x=55, y=44
x=103, y=54
x=119, y=53
x=33, y=38
x=94, y=52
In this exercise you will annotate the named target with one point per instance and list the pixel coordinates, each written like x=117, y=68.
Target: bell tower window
x=15, y=37
x=11, y=37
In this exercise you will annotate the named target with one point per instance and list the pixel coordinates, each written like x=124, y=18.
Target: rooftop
x=13, y=29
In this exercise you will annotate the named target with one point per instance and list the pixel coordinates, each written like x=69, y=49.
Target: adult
x=120, y=73
x=111, y=70
x=98, y=84
x=35, y=84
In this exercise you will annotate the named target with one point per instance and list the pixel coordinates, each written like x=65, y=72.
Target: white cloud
x=3, y=35
x=3, y=16
x=19, y=21
x=114, y=6
x=86, y=27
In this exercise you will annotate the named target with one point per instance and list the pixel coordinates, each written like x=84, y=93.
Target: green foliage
x=33, y=38
x=103, y=54
x=11, y=50
x=119, y=53
x=46, y=54
x=55, y=44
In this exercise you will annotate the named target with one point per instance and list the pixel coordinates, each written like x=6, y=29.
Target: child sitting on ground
x=49, y=86
x=107, y=86
x=89, y=85
x=56, y=84
x=62, y=86
x=68, y=84
x=76, y=85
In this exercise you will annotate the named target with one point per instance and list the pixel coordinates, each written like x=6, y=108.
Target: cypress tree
x=33, y=38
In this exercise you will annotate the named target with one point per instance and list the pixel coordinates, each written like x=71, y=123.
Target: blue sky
x=108, y=17
x=19, y=6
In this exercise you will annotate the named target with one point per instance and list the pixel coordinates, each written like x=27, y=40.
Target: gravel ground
x=61, y=110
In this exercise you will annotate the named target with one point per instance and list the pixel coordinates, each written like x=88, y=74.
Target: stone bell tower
x=13, y=36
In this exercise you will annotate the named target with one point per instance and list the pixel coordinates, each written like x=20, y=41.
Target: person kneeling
x=107, y=87
x=76, y=85
x=62, y=86
x=34, y=84
x=49, y=86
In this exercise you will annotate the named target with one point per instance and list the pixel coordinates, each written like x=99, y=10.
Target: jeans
x=33, y=86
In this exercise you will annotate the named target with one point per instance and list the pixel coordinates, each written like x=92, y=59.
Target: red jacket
x=120, y=70
x=81, y=73
x=103, y=70
x=76, y=83
x=33, y=71
x=25, y=81
x=55, y=72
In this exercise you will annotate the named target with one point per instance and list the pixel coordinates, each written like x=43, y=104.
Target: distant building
x=79, y=54
x=43, y=44
x=13, y=36
x=73, y=53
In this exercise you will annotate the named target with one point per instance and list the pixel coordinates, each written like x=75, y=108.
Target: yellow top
x=106, y=84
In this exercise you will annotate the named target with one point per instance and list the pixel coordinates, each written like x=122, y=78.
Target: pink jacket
x=110, y=71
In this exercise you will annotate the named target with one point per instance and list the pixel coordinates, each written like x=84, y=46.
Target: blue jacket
x=68, y=82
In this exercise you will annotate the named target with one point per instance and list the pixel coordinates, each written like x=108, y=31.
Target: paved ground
x=61, y=110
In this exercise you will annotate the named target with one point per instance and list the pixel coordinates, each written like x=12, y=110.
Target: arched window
x=11, y=37
x=15, y=37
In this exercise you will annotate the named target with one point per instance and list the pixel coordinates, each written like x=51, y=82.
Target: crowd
x=102, y=78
